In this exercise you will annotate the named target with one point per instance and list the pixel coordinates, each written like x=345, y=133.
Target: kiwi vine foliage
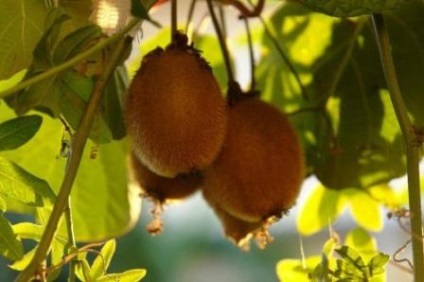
x=346, y=122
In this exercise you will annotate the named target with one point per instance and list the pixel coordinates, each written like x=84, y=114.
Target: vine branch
x=411, y=141
x=77, y=148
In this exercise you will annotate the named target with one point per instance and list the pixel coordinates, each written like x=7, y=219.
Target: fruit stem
x=223, y=24
x=190, y=15
x=251, y=55
x=77, y=148
x=173, y=20
x=222, y=43
x=411, y=141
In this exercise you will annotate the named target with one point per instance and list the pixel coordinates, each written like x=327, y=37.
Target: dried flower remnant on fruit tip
x=261, y=235
x=155, y=226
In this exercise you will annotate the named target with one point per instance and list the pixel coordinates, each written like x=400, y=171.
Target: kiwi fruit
x=161, y=190
x=240, y=232
x=258, y=174
x=175, y=114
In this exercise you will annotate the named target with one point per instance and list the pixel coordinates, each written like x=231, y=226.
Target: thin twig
x=401, y=250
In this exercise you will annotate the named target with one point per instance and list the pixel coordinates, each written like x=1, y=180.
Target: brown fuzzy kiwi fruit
x=161, y=190
x=240, y=232
x=260, y=169
x=175, y=113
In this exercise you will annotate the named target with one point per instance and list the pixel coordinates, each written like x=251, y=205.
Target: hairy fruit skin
x=237, y=230
x=175, y=114
x=260, y=169
x=161, y=188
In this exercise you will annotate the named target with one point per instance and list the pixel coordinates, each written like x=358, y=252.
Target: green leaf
x=127, y=276
x=379, y=260
x=385, y=194
x=348, y=8
x=112, y=103
x=28, y=230
x=82, y=270
x=22, y=263
x=101, y=185
x=3, y=206
x=12, y=81
x=329, y=247
x=405, y=27
x=79, y=11
x=348, y=271
x=139, y=10
x=75, y=91
x=75, y=42
x=366, y=211
x=57, y=253
x=103, y=259
x=19, y=184
x=43, y=52
x=362, y=242
x=22, y=24
x=350, y=256
x=16, y=132
x=67, y=93
x=347, y=125
x=292, y=269
x=10, y=244
x=321, y=208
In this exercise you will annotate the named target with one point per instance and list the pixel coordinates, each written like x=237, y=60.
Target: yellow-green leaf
x=103, y=259
x=82, y=270
x=21, y=25
x=321, y=208
x=365, y=210
x=19, y=184
x=16, y=132
x=127, y=276
x=362, y=242
x=10, y=244
x=22, y=263
x=295, y=270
